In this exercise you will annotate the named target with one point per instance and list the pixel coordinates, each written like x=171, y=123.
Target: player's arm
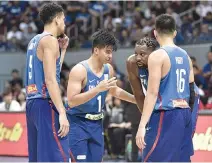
x=119, y=92
x=63, y=43
x=50, y=50
x=155, y=63
x=75, y=84
x=135, y=83
x=191, y=85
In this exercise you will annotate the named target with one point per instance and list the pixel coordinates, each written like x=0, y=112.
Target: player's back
x=174, y=91
x=35, y=80
x=96, y=104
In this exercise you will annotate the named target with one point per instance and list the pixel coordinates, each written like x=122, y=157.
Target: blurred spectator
x=22, y=101
x=186, y=28
x=16, y=78
x=133, y=115
x=27, y=36
x=175, y=16
x=14, y=38
x=207, y=69
x=208, y=20
x=8, y=103
x=180, y=6
x=118, y=128
x=203, y=8
x=24, y=26
x=98, y=8
x=14, y=10
x=205, y=35
x=83, y=17
x=198, y=78
x=158, y=8
x=136, y=34
x=108, y=24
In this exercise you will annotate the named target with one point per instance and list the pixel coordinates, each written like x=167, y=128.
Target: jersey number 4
x=180, y=80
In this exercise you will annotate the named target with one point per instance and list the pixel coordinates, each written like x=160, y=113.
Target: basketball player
x=166, y=116
x=89, y=83
x=137, y=67
x=47, y=124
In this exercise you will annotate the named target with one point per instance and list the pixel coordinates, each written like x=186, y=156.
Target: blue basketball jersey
x=96, y=104
x=143, y=75
x=174, y=90
x=35, y=80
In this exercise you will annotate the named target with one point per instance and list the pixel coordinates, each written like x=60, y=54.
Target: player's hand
x=105, y=85
x=64, y=125
x=63, y=42
x=140, y=137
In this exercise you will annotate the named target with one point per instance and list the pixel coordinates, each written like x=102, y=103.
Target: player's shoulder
x=78, y=72
x=158, y=54
x=49, y=41
x=79, y=68
x=131, y=59
x=131, y=62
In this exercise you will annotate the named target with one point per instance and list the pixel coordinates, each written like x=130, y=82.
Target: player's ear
x=96, y=50
x=175, y=33
x=155, y=33
x=57, y=19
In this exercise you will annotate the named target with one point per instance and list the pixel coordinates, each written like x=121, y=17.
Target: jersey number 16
x=180, y=80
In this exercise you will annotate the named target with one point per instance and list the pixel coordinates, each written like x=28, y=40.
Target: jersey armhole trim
x=163, y=78
x=38, y=44
x=86, y=78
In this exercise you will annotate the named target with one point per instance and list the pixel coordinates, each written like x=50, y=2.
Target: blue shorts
x=42, y=127
x=188, y=144
x=165, y=135
x=86, y=139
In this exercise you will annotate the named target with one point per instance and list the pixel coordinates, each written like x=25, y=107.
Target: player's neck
x=95, y=64
x=167, y=42
x=51, y=30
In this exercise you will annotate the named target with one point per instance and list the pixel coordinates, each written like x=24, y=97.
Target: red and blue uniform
x=171, y=122
x=44, y=145
x=86, y=139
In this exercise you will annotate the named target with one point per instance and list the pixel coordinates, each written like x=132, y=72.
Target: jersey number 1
x=99, y=98
x=180, y=80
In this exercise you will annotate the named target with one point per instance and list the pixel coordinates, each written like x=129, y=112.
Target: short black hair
x=6, y=92
x=193, y=58
x=165, y=24
x=15, y=71
x=148, y=41
x=103, y=38
x=49, y=11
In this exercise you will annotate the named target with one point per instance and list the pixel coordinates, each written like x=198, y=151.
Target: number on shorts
x=180, y=80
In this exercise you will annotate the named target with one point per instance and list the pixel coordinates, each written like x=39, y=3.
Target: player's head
x=103, y=44
x=143, y=48
x=165, y=26
x=53, y=14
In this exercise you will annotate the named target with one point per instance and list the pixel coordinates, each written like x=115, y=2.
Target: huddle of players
x=56, y=133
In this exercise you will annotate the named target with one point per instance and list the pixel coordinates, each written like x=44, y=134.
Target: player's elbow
x=71, y=102
x=50, y=81
x=153, y=93
x=115, y=91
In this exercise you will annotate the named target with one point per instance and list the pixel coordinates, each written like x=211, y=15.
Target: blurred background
x=129, y=21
